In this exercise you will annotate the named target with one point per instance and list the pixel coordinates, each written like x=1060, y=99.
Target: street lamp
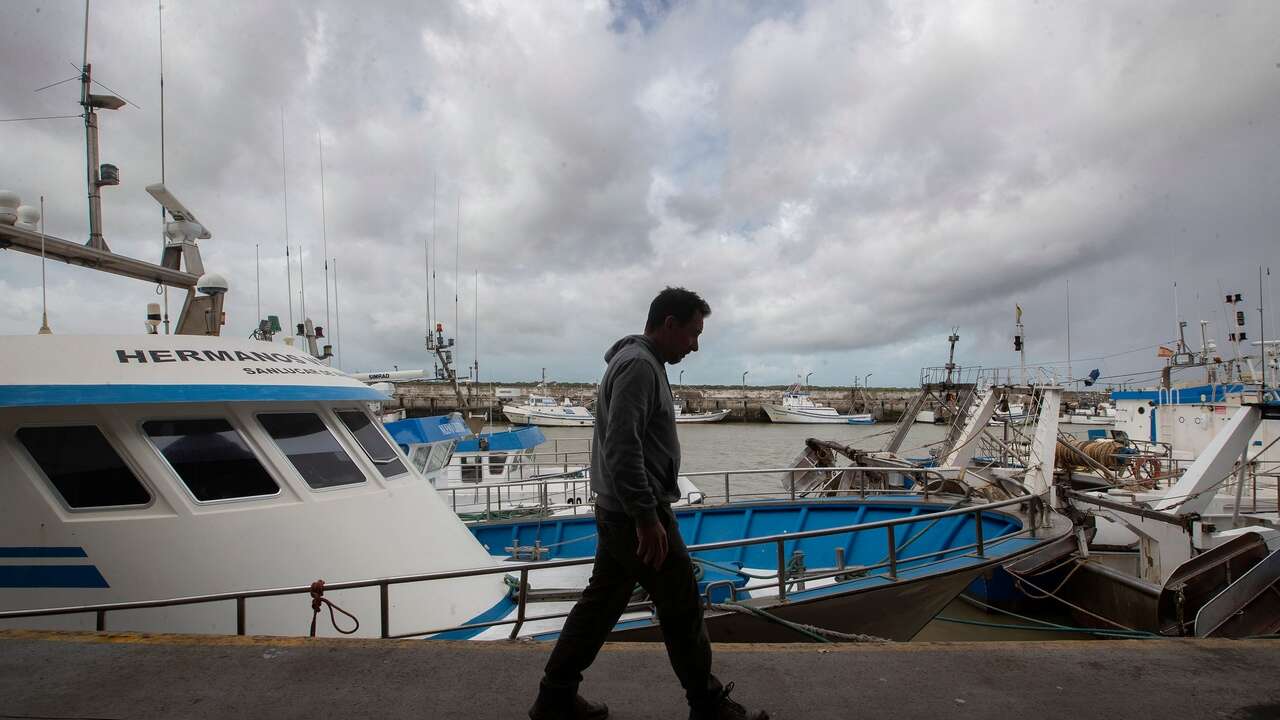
x=865, y=379
x=681, y=380
x=744, y=395
x=806, y=379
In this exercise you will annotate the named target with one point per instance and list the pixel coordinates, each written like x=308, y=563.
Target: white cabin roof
x=59, y=370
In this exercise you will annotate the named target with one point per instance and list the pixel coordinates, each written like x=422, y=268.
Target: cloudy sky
x=843, y=181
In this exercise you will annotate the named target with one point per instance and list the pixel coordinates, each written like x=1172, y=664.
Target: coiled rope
x=318, y=599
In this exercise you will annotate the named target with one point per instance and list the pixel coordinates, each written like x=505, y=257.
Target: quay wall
x=887, y=404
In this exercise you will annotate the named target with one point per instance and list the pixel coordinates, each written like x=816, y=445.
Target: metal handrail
x=563, y=480
x=384, y=584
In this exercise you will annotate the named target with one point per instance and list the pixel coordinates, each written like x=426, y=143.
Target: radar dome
x=28, y=217
x=212, y=283
x=9, y=202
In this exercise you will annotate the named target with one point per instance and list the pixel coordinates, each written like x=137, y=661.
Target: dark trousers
x=672, y=588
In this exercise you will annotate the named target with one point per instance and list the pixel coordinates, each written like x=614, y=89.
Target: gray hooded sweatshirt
x=636, y=457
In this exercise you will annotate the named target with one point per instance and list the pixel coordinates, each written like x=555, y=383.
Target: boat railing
x=557, y=442
x=784, y=577
x=956, y=375
x=483, y=502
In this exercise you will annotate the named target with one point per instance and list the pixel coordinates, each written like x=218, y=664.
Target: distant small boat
x=1103, y=414
x=1016, y=415
x=698, y=417
x=544, y=410
x=798, y=407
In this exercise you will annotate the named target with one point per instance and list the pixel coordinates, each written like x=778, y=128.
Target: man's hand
x=651, y=544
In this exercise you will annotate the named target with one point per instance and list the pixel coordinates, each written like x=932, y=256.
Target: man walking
x=634, y=467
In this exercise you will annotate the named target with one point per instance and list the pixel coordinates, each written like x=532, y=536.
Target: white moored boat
x=697, y=417
x=798, y=407
x=544, y=410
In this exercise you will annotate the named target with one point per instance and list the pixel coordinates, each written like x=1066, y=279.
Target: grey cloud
x=844, y=181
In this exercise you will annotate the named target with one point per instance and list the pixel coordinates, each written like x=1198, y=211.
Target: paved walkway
x=109, y=675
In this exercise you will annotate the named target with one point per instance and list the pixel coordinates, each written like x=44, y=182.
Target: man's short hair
x=678, y=303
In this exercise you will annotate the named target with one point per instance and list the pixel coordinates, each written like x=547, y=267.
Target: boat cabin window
x=83, y=467
x=471, y=472
x=211, y=458
x=374, y=444
x=312, y=449
x=440, y=454
x=497, y=463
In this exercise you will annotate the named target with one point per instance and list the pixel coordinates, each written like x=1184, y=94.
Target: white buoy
x=28, y=218
x=9, y=202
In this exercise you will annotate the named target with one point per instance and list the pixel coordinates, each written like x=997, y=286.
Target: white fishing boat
x=1194, y=550
x=545, y=410
x=797, y=406
x=697, y=417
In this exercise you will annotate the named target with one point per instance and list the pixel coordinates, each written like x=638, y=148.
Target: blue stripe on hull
x=51, y=576
x=497, y=612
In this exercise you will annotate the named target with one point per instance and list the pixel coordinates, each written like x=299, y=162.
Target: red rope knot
x=317, y=600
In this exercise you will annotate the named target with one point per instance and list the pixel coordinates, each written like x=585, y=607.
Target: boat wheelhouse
x=1186, y=419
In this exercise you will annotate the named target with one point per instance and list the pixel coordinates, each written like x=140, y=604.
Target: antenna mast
x=457, y=259
x=435, y=253
x=324, y=232
x=95, y=176
x=1262, y=332
x=284, y=186
x=302, y=282
x=44, y=297
x=1069, y=374
x=337, y=314
x=257, y=274
x=163, y=239
x=475, y=327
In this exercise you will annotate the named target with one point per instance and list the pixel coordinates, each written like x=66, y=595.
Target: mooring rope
x=318, y=599
x=813, y=632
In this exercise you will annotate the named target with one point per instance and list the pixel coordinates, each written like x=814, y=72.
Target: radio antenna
x=284, y=188
x=426, y=276
x=324, y=232
x=302, y=281
x=457, y=259
x=337, y=315
x=435, y=252
x=44, y=297
x=475, y=329
x=163, y=239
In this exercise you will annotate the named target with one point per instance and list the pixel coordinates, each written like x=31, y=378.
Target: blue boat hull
x=935, y=562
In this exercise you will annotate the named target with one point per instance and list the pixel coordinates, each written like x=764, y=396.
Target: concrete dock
x=115, y=675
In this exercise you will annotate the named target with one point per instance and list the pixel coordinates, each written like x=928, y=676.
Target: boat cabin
x=139, y=468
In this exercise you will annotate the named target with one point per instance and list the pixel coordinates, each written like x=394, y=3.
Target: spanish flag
x=1164, y=352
